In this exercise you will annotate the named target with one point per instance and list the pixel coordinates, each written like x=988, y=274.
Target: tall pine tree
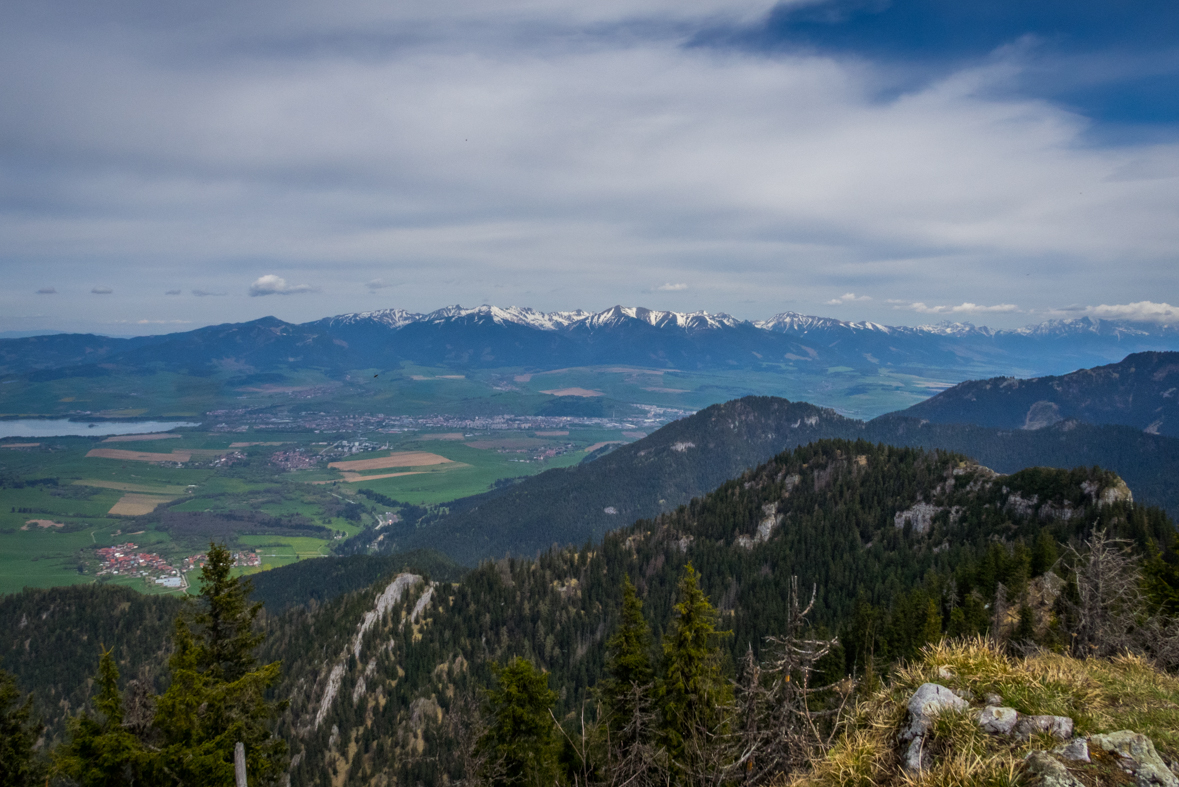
x=693, y=692
x=100, y=751
x=19, y=730
x=217, y=696
x=215, y=699
x=519, y=744
x=627, y=695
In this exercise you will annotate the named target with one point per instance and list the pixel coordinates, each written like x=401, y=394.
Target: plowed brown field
x=395, y=459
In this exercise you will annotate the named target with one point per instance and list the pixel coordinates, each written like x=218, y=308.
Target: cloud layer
x=551, y=154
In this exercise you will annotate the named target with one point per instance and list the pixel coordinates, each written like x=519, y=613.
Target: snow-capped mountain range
x=519, y=337
x=785, y=323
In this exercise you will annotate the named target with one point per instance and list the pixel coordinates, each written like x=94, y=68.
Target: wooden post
x=239, y=764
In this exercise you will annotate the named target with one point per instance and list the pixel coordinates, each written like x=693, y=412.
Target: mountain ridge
x=1141, y=391
x=687, y=457
x=491, y=336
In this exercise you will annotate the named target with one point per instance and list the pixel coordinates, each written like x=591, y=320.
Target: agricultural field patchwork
x=67, y=504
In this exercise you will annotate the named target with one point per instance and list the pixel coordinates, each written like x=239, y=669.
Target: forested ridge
x=885, y=589
x=902, y=547
x=692, y=456
x=681, y=460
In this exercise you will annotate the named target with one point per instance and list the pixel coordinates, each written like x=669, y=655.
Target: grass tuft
x=1099, y=695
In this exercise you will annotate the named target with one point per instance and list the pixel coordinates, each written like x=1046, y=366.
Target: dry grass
x=1100, y=696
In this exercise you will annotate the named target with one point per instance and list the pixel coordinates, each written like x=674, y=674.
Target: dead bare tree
x=584, y=775
x=782, y=720
x=633, y=757
x=1106, y=616
x=465, y=724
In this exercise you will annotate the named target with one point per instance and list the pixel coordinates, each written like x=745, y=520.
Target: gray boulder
x=1050, y=771
x=1059, y=727
x=1138, y=755
x=997, y=721
x=1076, y=750
x=915, y=759
x=927, y=702
x=924, y=706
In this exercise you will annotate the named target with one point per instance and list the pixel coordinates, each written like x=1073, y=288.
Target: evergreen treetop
x=19, y=731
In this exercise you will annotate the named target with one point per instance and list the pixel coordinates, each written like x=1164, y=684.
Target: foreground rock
x=927, y=703
x=1050, y=771
x=1138, y=756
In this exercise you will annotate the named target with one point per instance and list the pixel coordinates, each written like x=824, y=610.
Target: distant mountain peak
x=789, y=322
x=794, y=322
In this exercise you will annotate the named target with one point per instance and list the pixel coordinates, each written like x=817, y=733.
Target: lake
x=47, y=427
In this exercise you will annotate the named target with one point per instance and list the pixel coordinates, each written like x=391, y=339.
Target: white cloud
x=209, y=293
x=669, y=287
x=550, y=141
x=47, y=291
x=964, y=308
x=1143, y=311
x=276, y=285
x=848, y=297
x=101, y=290
x=378, y=284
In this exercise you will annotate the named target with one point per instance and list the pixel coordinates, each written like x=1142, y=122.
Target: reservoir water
x=46, y=427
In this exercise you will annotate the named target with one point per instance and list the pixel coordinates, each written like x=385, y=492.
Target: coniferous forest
x=636, y=659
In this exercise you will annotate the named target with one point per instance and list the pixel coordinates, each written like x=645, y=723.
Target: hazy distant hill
x=690, y=456
x=1140, y=391
x=491, y=337
x=671, y=466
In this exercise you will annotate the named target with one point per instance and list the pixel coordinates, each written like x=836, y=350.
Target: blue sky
x=164, y=167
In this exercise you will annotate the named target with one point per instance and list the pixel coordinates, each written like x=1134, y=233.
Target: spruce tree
x=627, y=695
x=100, y=751
x=628, y=660
x=693, y=691
x=217, y=696
x=519, y=744
x=19, y=730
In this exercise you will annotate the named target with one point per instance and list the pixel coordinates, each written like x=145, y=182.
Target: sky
x=165, y=166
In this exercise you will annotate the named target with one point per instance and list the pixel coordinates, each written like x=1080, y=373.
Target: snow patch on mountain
x=786, y=322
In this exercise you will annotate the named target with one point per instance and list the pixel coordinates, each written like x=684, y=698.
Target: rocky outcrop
x=1059, y=727
x=920, y=516
x=1137, y=755
x=997, y=721
x=1076, y=750
x=1050, y=771
x=926, y=704
x=1135, y=752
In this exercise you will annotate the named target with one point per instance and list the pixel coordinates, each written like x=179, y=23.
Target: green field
x=95, y=501
x=56, y=482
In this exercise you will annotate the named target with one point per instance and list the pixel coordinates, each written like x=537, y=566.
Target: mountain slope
x=865, y=524
x=1140, y=391
x=687, y=457
x=667, y=468
x=373, y=676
